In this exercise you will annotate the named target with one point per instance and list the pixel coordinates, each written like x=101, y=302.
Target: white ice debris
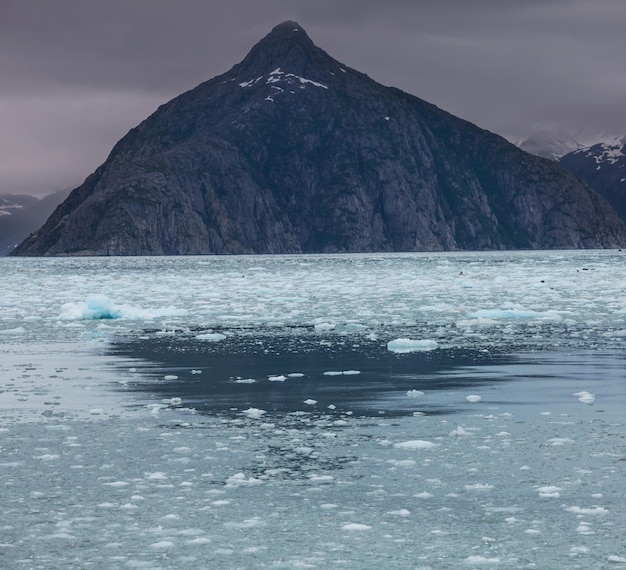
x=473, y=398
x=277, y=378
x=549, y=492
x=356, y=527
x=414, y=393
x=585, y=397
x=254, y=413
x=416, y=444
x=406, y=345
x=211, y=337
x=310, y=402
x=240, y=479
x=596, y=510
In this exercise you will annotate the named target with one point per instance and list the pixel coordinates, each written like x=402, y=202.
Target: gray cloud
x=76, y=75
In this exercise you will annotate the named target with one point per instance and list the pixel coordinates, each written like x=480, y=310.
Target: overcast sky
x=76, y=75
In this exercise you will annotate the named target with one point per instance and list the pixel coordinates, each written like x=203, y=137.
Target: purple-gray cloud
x=76, y=75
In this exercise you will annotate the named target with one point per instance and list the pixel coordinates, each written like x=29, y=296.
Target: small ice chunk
x=211, y=337
x=170, y=377
x=587, y=511
x=406, y=345
x=310, y=402
x=617, y=559
x=240, y=479
x=245, y=381
x=478, y=487
x=399, y=513
x=474, y=559
x=254, y=413
x=175, y=401
x=295, y=375
x=163, y=545
x=277, y=378
x=549, y=492
x=459, y=432
x=356, y=527
x=416, y=444
x=585, y=397
x=473, y=398
x=414, y=393
x=323, y=327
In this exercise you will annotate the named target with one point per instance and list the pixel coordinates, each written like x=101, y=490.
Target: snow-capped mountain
x=603, y=167
x=292, y=151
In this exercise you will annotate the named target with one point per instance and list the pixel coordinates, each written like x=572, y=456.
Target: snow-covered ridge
x=605, y=152
x=277, y=77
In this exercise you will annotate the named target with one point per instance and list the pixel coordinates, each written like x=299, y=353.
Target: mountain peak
x=287, y=46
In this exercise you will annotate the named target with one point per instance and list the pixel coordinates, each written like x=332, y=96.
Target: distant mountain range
x=22, y=214
x=292, y=151
x=600, y=161
x=602, y=166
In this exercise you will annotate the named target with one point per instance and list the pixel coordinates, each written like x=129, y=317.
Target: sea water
x=457, y=410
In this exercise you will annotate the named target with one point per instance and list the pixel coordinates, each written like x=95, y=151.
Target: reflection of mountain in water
x=280, y=372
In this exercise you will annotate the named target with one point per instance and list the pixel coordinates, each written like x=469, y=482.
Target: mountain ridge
x=291, y=151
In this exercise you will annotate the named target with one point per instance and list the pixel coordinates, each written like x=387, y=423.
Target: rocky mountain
x=602, y=166
x=292, y=151
x=22, y=214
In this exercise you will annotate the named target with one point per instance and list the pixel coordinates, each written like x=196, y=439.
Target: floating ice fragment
x=211, y=337
x=617, y=559
x=198, y=540
x=478, y=487
x=321, y=478
x=156, y=475
x=585, y=397
x=549, y=492
x=406, y=345
x=587, y=511
x=170, y=377
x=310, y=402
x=245, y=381
x=473, y=398
x=295, y=375
x=416, y=444
x=254, y=413
x=240, y=479
x=399, y=513
x=322, y=327
x=481, y=560
x=414, y=393
x=356, y=527
x=459, y=432
x=175, y=401
x=163, y=545
x=558, y=441
x=278, y=378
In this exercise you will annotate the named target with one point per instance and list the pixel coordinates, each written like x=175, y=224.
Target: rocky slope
x=291, y=151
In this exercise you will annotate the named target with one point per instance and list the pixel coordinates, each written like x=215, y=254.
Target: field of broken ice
x=457, y=410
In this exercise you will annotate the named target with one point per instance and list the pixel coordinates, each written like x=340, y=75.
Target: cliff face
x=291, y=151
